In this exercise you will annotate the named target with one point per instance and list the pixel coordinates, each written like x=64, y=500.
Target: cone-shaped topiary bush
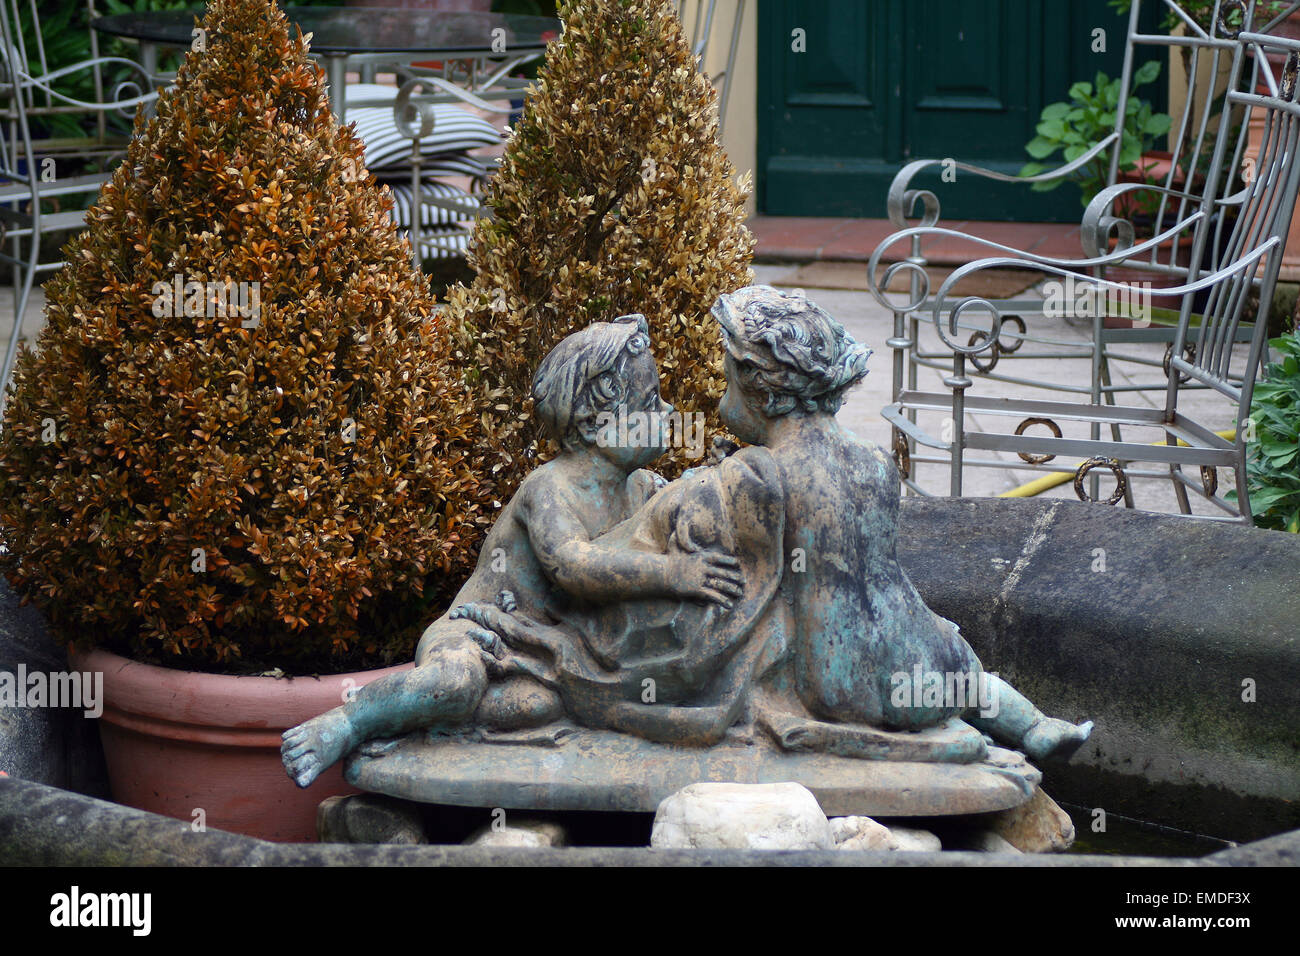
x=239, y=443
x=613, y=197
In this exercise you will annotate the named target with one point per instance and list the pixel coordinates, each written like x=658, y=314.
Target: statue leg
x=444, y=688
x=1008, y=717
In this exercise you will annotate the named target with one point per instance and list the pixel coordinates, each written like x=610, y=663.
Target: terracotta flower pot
x=177, y=742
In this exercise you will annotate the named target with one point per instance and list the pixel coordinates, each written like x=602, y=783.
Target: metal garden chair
x=1197, y=174
x=32, y=169
x=426, y=106
x=1251, y=254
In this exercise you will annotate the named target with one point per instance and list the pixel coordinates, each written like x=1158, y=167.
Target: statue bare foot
x=1051, y=737
x=312, y=747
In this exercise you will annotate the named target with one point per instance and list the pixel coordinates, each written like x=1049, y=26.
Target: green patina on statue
x=756, y=599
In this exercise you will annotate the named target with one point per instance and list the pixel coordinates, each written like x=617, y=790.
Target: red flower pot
x=177, y=742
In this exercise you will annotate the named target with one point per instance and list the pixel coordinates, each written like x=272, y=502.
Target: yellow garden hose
x=1039, y=485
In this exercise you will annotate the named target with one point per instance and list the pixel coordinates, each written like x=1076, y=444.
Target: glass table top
x=363, y=29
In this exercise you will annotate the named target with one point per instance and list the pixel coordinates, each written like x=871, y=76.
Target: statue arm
x=583, y=569
x=600, y=573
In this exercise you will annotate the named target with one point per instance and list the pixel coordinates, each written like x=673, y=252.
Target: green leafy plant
x=65, y=35
x=1273, y=466
x=1089, y=117
x=284, y=484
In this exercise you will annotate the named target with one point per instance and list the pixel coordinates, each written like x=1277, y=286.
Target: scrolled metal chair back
x=1198, y=170
x=1263, y=208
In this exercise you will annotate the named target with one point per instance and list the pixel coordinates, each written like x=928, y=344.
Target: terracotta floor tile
x=793, y=237
x=857, y=239
x=808, y=238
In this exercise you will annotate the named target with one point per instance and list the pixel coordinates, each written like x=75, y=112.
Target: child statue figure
x=758, y=594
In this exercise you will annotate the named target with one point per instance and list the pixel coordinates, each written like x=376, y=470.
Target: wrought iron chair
x=426, y=106
x=31, y=169
x=1251, y=254
x=415, y=144
x=1197, y=174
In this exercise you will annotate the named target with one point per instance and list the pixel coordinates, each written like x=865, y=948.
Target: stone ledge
x=601, y=770
x=44, y=826
x=1154, y=648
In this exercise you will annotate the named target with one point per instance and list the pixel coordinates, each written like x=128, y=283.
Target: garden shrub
x=1273, y=465
x=287, y=485
x=614, y=196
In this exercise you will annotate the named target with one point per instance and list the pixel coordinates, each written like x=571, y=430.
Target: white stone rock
x=741, y=816
x=860, y=833
x=912, y=840
x=525, y=833
x=987, y=841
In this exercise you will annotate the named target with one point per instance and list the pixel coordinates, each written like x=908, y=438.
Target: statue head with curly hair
x=784, y=354
x=593, y=371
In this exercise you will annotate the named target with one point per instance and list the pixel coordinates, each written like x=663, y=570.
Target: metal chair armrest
x=1015, y=258
x=1062, y=269
x=902, y=198
x=1099, y=219
x=28, y=81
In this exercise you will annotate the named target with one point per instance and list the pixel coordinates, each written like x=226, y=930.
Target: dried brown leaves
x=614, y=197
x=318, y=467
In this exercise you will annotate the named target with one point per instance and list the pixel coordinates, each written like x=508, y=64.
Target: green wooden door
x=849, y=90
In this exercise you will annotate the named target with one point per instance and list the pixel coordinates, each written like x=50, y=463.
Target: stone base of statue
x=564, y=767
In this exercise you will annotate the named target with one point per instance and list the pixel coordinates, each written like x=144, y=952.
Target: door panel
x=968, y=75
x=881, y=82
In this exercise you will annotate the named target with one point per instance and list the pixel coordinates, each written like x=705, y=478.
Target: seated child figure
x=544, y=551
x=822, y=634
x=860, y=630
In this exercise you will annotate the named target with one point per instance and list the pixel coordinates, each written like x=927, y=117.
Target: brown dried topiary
x=195, y=492
x=613, y=197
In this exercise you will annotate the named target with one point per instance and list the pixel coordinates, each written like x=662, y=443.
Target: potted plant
x=612, y=198
x=241, y=447
x=1074, y=127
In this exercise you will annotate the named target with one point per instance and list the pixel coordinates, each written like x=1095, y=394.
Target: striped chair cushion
x=455, y=129
x=440, y=167
x=430, y=216
x=446, y=243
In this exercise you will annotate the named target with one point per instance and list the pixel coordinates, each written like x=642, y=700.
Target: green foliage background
x=1273, y=467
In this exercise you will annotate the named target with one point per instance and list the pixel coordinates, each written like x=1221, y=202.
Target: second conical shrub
x=613, y=197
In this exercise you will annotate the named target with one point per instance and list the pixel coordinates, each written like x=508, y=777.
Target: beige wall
x=1178, y=83
x=739, y=129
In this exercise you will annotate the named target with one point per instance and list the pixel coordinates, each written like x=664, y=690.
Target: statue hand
x=507, y=644
x=706, y=576
x=500, y=633
x=500, y=661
